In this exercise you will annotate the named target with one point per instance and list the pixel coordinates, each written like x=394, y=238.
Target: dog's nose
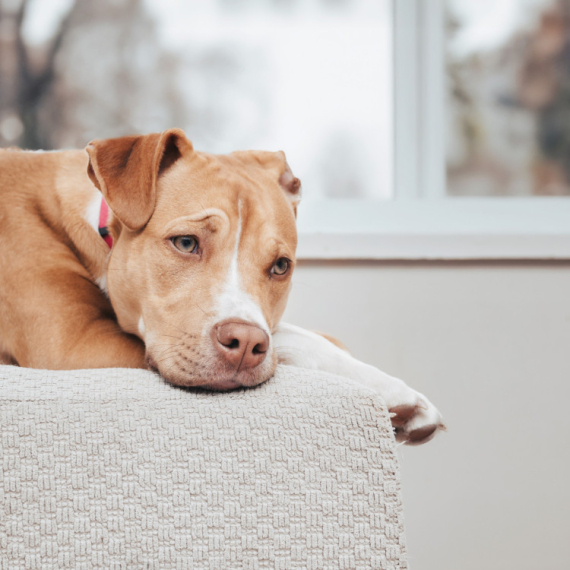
x=243, y=345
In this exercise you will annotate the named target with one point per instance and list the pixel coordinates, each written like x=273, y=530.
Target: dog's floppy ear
x=290, y=183
x=126, y=169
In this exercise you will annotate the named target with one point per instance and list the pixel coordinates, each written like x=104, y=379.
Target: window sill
x=446, y=229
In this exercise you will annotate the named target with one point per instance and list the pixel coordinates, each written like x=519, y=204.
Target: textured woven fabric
x=115, y=469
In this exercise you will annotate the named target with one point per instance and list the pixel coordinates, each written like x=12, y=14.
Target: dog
x=141, y=252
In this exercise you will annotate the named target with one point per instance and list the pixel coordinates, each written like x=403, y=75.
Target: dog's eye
x=281, y=266
x=185, y=244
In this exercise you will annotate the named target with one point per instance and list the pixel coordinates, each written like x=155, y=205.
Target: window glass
x=311, y=77
x=508, y=97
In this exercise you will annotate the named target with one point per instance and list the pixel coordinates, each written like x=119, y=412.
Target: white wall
x=490, y=346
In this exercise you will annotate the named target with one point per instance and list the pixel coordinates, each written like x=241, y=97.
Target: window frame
x=421, y=222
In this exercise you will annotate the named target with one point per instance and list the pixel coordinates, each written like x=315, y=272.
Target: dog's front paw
x=416, y=420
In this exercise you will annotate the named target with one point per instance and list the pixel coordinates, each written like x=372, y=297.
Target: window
x=426, y=219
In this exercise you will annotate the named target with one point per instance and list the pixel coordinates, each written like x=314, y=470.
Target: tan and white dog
x=196, y=280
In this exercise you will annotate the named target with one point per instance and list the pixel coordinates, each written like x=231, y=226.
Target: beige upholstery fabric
x=115, y=469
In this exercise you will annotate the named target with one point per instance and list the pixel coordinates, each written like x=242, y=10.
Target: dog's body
x=194, y=285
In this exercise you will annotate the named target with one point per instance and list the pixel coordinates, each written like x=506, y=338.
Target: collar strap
x=103, y=218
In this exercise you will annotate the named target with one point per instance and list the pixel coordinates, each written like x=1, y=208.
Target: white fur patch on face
x=93, y=211
x=141, y=328
x=234, y=302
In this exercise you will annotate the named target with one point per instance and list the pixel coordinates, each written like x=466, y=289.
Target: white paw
x=415, y=419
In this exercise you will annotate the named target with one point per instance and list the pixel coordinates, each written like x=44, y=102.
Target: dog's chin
x=219, y=378
x=222, y=386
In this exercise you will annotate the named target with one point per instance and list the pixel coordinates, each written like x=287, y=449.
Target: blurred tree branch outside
x=102, y=73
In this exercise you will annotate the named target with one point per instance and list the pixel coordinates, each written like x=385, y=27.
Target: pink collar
x=103, y=217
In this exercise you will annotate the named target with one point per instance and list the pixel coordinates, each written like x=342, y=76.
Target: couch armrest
x=116, y=469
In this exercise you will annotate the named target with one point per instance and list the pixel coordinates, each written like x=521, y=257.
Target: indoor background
x=483, y=331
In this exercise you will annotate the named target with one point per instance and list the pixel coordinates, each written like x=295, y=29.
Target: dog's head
x=204, y=248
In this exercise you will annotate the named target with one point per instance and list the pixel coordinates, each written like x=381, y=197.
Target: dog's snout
x=243, y=345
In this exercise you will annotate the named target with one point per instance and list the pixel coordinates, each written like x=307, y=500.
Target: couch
x=115, y=469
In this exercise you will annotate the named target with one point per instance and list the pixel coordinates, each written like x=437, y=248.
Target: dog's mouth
x=217, y=377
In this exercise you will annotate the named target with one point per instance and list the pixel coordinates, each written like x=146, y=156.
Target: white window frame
x=421, y=222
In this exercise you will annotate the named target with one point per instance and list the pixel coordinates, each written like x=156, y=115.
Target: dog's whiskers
x=167, y=353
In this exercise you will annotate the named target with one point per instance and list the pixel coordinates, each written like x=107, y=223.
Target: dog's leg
x=415, y=419
x=98, y=344
x=59, y=320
